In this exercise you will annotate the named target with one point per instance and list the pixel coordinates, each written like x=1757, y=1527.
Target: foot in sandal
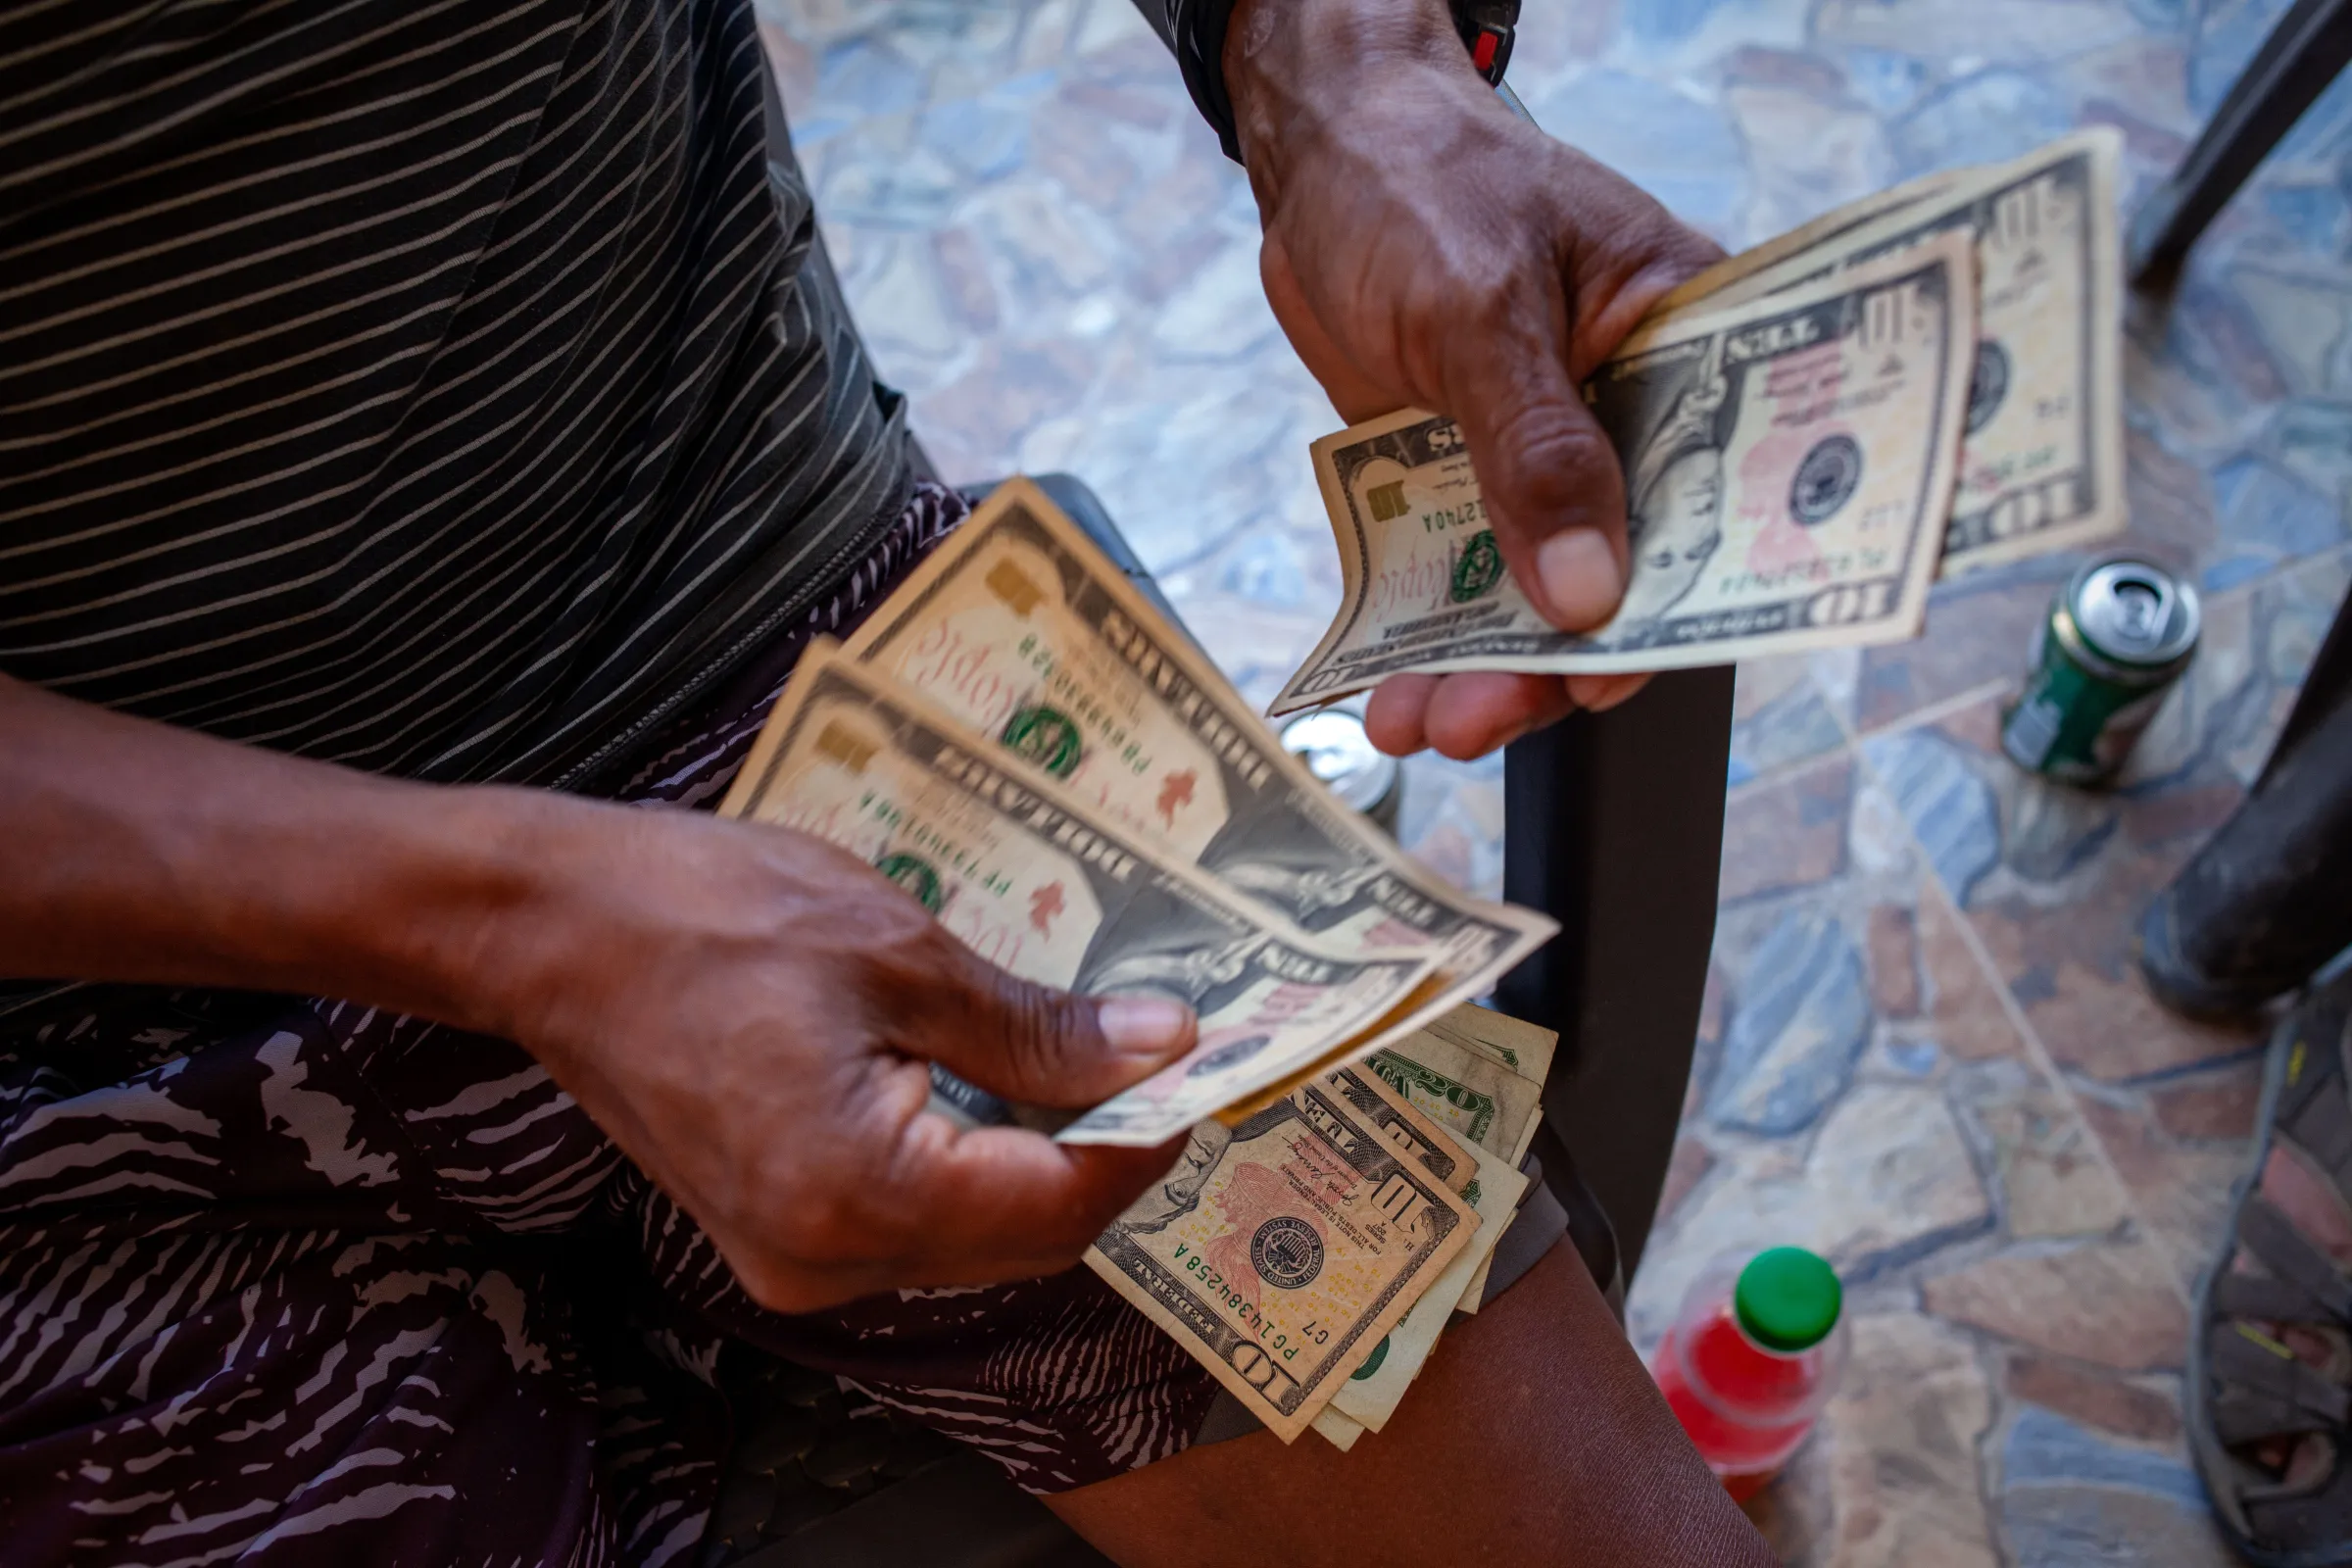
x=2270, y=1384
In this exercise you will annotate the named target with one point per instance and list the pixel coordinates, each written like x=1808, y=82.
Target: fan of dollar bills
x=1924, y=383
x=1018, y=739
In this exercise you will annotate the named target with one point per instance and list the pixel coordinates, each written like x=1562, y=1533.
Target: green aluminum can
x=2116, y=638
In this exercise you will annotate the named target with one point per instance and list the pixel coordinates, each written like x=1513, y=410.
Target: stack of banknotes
x=1023, y=743
x=1810, y=432
x=1926, y=381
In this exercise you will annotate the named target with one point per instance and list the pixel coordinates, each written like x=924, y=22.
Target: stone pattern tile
x=1925, y=1049
x=2053, y=879
x=1865, y=1089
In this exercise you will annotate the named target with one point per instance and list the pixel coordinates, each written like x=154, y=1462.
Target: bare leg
x=1533, y=1436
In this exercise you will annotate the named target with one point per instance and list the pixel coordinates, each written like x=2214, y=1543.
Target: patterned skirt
x=294, y=1281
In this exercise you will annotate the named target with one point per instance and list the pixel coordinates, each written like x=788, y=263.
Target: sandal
x=2269, y=1391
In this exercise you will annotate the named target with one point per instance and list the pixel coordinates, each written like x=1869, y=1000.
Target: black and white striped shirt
x=445, y=388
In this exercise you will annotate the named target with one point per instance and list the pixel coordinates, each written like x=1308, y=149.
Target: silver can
x=1333, y=744
x=2116, y=638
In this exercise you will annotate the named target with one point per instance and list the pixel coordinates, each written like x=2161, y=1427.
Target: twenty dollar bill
x=1024, y=632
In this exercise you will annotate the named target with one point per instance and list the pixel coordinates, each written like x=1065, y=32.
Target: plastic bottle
x=1750, y=1361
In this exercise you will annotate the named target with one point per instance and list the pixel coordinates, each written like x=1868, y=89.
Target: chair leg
x=2262, y=905
x=1613, y=825
x=2310, y=44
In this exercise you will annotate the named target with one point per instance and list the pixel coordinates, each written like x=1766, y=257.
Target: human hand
x=749, y=1013
x=1423, y=246
x=746, y=1012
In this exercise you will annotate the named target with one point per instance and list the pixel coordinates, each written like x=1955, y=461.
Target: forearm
x=141, y=853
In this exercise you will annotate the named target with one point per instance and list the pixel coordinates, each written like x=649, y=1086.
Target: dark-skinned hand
x=1426, y=247
x=750, y=1015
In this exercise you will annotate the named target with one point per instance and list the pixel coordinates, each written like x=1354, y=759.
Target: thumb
x=1550, y=477
x=1044, y=1046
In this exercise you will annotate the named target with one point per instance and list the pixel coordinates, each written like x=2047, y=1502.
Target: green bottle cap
x=1787, y=1299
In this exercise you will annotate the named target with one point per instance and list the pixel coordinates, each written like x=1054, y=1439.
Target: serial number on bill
x=1279, y=1341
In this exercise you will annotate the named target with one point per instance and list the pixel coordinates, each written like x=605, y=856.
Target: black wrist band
x=1488, y=27
x=1198, y=33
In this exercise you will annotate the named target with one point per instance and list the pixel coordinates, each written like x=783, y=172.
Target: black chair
x=2306, y=51
x=1613, y=825
x=2259, y=909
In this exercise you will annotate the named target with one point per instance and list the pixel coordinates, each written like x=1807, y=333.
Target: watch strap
x=1195, y=31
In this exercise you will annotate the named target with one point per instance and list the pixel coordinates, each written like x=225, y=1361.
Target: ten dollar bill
x=1789, y=467
x=2041, y=460
x=1282, y=1250
x=1047, y=890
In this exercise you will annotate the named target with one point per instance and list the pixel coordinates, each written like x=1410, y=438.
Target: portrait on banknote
x=1789, y=465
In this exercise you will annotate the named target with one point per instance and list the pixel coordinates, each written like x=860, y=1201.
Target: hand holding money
x=1022, y=745
x=1019, y=740
x=1425, y=247
x=1056, y=779
x=1053, y=894
x=748, y=1015
x=1797, y=461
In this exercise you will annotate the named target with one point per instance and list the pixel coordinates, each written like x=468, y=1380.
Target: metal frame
x=2307, y=50
x=1613, y=826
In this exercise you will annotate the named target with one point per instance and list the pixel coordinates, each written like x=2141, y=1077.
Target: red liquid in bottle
x=1746, y=1403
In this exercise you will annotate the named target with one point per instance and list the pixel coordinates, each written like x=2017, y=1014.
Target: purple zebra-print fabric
x=289, y=1281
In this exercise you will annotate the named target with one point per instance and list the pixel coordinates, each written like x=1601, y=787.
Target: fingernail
x=1581, y=583
x=1143, y=1026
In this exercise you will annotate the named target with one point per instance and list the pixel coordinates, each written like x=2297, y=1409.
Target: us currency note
x=1822, y=235
x=2041, y=460
x=1395, y=1119
x=1788, y=468
x=1452, y=1072
x=1371, y=1392
x=1281, y=1251
x=1045, y=889
x=1465, y=1072
x=1479, y=1074
x=1020, y=627
x=1524, y=1047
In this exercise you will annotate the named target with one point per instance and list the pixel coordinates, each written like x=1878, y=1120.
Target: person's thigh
x=1533, y=1436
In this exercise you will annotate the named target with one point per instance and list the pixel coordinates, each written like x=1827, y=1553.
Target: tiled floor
x=1926, y=1051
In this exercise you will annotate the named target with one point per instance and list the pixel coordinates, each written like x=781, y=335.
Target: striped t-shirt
x=445, y=389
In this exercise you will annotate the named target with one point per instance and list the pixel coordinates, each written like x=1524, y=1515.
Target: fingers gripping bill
x=1788, y=466
x=1050, y=892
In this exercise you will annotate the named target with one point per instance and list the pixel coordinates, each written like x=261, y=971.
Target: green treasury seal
x=1478, y=568
x=915, y=874
x=1039, y=735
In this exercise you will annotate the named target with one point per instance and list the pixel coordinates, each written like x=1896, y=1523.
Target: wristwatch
x=1195, y=29
x=1487, y=27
